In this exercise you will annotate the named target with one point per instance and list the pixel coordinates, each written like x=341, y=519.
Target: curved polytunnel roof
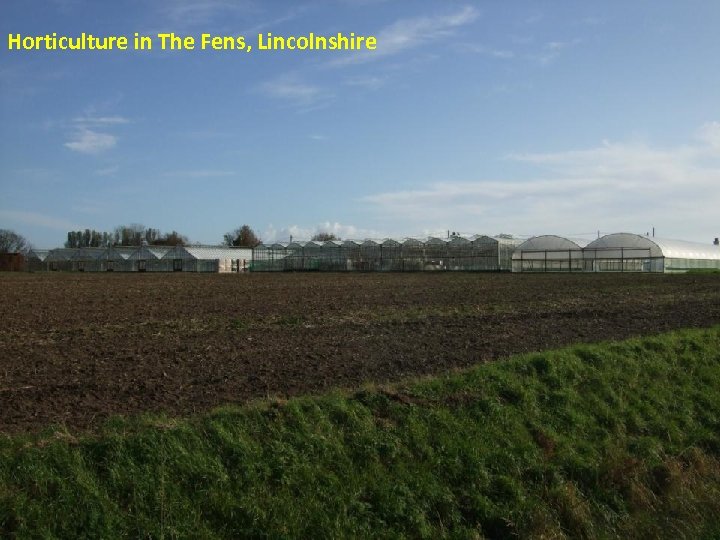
x=548, y=242
x=658, y=247
x=548, y=245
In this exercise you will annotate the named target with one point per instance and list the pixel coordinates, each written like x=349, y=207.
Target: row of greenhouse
x=141, y=259
x=476, y=253
x=622, y=252
x=619, y=252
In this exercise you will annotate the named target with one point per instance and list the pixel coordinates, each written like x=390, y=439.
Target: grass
x=593, y=441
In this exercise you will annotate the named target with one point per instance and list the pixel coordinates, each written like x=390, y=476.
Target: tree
x=170, y=239
x=12, y=242
x=242, y=237
x=130, y=235
x=324, y=237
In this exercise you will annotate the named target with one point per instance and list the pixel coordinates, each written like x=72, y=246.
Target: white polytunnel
x=627, y=252
x=548, y=253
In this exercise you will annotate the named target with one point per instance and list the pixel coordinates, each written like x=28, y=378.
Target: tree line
x=124, y=235
x=136, y=234
x=245, y=237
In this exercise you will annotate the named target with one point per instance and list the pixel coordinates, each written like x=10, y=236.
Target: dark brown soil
x=77, y=348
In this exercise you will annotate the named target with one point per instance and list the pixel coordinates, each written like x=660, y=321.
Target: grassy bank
x=619, y=439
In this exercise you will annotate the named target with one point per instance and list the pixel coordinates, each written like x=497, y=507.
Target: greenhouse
x=206, y=259
x=142, y=259
x=35, y=260
x=621, y=252
x=548, y=253
x=149, y=259
x=478, y=253
x=625, y=252
x=60, y=259
x=114, y=259
x=270, y=257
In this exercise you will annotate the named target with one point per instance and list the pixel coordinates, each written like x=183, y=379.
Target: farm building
x=206, y=259
x=548, y=253
x=625, y=252
x=12, y=262
x=477, y=253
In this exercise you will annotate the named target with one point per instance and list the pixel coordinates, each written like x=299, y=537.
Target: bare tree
x=242, y=237
x=12, y=242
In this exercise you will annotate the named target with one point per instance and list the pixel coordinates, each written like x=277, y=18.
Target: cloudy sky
x=523, y=117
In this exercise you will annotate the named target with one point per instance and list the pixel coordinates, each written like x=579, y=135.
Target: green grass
x=611, y=440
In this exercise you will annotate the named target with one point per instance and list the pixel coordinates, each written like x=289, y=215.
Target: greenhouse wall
x=683, y=265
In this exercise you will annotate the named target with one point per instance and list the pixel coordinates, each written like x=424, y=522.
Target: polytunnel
x=627, y=252
x=548, y=253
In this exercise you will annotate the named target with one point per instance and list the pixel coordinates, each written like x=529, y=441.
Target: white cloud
x=615, y=186
x=88, y=141
x=90, y=131
x=502, y=54
x=709, y=133
x=292, y=14
x=107, y=171
x=38, y=220
x=412, y=32
x=199, y=173
x=199, y=12
x=368, y=82
x=302, y=232
x=293, y=90
x=552, y=50
x=89, y=206
x=101, y=120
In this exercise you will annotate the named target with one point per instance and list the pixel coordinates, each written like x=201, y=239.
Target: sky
x=522, y=117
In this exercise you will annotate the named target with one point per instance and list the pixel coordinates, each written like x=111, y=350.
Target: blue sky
x=556, y=117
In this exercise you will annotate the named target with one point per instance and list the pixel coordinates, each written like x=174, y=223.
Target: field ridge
x=617, y=439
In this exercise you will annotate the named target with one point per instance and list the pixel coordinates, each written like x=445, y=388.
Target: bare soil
x=77, y=348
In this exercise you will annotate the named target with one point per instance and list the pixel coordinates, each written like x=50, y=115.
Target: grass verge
x=593, y=441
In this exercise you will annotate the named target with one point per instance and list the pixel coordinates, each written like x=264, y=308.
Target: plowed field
x=77, y=348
